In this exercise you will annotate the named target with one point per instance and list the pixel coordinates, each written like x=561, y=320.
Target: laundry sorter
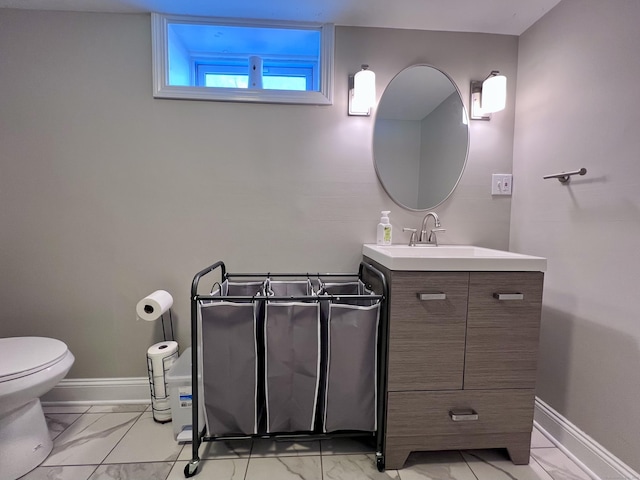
x=285, y=355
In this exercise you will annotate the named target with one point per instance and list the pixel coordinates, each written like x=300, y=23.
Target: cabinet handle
x=432, y=296
x=509, y=296
x=466, y=415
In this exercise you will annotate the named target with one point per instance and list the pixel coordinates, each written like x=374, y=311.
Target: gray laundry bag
x=292, y=359
x=230, y=361
x=349, y=387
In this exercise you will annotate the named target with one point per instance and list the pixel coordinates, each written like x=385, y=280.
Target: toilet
x=30, y=367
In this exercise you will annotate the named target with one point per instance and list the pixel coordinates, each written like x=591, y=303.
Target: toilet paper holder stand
x=164, y=334
x=159, y=393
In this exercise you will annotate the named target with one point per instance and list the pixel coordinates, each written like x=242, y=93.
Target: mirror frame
x=466, y=156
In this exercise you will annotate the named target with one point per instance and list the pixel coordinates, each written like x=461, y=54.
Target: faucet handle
x=412, y=239
x=432, y=236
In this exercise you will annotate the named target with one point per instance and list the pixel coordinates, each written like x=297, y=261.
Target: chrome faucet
x=431, y=238
x=425, y=237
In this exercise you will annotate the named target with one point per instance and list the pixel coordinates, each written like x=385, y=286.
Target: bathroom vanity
x=462, y=348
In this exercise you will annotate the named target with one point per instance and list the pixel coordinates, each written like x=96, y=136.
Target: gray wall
x=578, y=106
x=107, y=194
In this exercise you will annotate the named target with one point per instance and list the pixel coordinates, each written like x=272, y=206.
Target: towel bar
x=564, y=177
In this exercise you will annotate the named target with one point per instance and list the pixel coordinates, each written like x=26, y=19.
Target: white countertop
x=451, y=258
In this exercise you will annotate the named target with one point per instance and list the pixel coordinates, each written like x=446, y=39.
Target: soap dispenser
x=384, y=229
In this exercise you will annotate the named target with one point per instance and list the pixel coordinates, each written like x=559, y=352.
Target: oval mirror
x=420, y=138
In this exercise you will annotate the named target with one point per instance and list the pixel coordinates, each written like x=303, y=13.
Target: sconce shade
x=494, y=94
x=364, y=90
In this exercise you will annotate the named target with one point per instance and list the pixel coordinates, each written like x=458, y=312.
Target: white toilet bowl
x=30, y=367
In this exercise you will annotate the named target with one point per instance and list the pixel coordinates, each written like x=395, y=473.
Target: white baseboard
x=580, y=447
x=99, y=391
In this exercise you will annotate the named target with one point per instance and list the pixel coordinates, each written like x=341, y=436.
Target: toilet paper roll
x=161, y=410
x=151, y=307
x=160, y=358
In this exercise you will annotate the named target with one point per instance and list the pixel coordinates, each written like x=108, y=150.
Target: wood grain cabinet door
x=503, y=328
x=427, y=330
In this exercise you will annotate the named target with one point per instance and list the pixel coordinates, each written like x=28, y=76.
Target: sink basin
x=451, y=257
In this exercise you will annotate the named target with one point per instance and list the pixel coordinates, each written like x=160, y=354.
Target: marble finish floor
x=123, y=442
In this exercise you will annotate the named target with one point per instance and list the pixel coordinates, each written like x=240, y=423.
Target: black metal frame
x=382, y=350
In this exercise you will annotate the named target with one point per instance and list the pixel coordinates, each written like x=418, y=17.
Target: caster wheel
x=380, y=464
x=190, y=469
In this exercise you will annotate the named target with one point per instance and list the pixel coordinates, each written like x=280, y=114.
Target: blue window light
x=216, y=59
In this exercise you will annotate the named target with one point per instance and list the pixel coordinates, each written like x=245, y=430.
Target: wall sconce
x=362, y=92
x=488, y=96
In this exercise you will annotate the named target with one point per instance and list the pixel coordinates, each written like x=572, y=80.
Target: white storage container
x=179, y=388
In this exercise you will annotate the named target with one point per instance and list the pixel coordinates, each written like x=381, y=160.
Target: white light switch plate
x=501, y=183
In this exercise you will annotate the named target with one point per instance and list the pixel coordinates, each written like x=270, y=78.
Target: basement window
x=242, y=61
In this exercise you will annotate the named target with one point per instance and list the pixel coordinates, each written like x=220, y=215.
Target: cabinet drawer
x=427, y=336
x=487, y=311
x=428, y=413
x=502, y=334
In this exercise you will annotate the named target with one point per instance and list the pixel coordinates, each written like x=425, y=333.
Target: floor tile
x=59, y=422
x=496, y=465
x=219, y=450
x=353, y=467
x=123, y=442
x=226, y=469
x=538, y=440
x=133, y=471
x=558, y=465
x=60, y=473
x=65, y=408
x=118, y=408
x=436, y=466
x=284, y=468
x=348, y=445
x=146, y=441
x=90, y=439
x=273, y=448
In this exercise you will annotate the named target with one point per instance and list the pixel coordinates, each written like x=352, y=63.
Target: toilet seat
x=22, y=356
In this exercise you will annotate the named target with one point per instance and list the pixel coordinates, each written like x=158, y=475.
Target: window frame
x=202, y=69
x=161, y=89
